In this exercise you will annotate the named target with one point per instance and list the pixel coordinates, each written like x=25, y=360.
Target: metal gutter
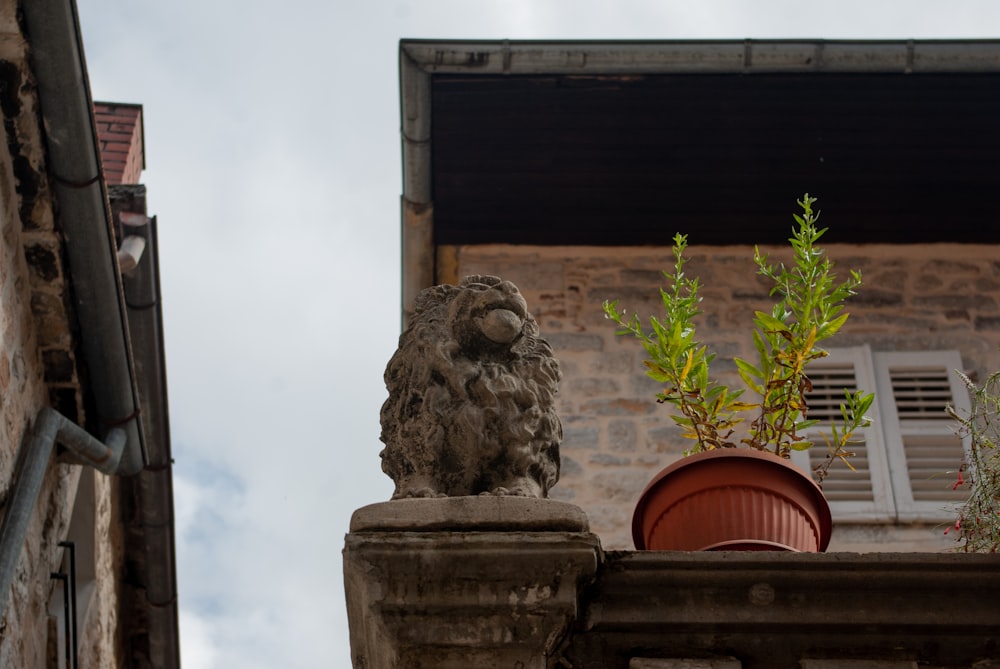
x=153, y=486
x=700, y=56
x=75, y=167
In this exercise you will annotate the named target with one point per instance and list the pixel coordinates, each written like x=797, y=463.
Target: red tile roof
x=119, y=132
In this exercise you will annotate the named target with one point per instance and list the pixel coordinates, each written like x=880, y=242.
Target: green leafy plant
x=978, y=523
x=808, y=309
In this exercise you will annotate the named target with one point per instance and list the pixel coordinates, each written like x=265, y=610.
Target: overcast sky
x=273, y=165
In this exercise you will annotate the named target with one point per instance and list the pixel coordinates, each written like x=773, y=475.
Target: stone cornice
x=482, y=582
x=774, y=609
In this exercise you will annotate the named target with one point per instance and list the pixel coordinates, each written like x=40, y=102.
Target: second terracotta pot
x=732, y=499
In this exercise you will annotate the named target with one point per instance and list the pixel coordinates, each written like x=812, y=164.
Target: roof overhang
x=628, y=142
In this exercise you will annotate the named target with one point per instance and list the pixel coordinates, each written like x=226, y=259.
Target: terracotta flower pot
x=732, y=499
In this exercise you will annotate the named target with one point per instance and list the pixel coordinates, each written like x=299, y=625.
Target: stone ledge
x=481, y=513
x=420, y=596
x=776, y=610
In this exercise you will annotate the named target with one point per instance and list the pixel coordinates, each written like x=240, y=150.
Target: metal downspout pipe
x=419, y=262
x=32, y=463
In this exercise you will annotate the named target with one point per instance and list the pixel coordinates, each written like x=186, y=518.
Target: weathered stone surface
x=459, y=600
x=811, y=663
x=471, y=514
x=987, y=323
x=571, y=341
x=569, y=466
x=935, y=303
x=471, y=405
x=608, y=459
x=581, y=436
x=617, y=407
x=622, y=435
x=646, y=663
x=543, y=599
x=43, y=262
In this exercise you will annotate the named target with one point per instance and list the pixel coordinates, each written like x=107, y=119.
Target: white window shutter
x=863, y=495
x=924, y=448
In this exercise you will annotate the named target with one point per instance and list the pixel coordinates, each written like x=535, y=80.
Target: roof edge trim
x=517, y=57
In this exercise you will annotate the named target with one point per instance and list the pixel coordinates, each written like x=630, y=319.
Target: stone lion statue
x=471, y=394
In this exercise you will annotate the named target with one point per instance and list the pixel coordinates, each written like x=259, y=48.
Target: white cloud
x=198, y=641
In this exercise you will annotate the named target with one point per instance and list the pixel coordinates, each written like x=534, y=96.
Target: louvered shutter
x=923, y=447
x=862, y=495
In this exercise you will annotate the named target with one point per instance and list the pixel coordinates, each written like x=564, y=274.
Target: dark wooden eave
x=627, y=143
x=632, y=159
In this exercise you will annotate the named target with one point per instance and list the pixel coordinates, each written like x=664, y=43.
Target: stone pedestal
x=465, y=581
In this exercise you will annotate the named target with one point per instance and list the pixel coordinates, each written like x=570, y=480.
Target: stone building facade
x=83, y=568
x=566, y=168
x=914, y=298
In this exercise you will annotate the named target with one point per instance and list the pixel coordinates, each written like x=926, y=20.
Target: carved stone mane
x=471, y=396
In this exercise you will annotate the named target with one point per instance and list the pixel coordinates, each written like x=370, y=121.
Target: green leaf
x=769, y=323
x=864, y=402
x=676, y=337
x=656, y=372
x=750, y=375
x=831, y=328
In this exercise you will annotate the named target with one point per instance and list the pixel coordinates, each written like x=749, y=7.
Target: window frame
x=881, y=507
x=889, y=478
x=895, y=429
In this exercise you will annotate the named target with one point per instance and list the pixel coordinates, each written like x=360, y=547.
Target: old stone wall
x=22, y=389
x=37, y=369
x=617, y=437
x=101, y=642
x=22, y=394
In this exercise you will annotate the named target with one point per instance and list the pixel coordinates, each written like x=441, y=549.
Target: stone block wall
x=22, y=393
x=38, y=368
x=26, y=261
x=616, y=436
